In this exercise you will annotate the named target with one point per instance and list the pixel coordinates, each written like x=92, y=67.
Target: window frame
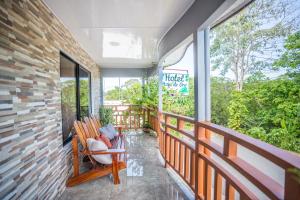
x=77, y=79
x=90, y=89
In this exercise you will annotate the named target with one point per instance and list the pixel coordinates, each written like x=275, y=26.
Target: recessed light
x=114, y=44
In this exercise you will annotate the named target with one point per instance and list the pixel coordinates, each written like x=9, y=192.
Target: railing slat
x=182, y=159
x=176, y=156
x=217, y=186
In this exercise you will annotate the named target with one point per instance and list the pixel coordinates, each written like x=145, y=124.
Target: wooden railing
x=128, y=116
x=217, y=162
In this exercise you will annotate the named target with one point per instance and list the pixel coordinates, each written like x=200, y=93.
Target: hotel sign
x=176, y=81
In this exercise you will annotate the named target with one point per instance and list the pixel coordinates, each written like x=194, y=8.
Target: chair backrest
x=87, y=129
x=92, y=128
x=96, y=122
x=82, y=132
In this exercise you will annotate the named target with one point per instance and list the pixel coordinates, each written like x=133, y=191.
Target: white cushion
x=96, y=145
x=107, y=132
x=112, y=129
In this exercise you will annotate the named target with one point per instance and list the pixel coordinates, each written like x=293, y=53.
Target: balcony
x=56, y=61
x=213, y=161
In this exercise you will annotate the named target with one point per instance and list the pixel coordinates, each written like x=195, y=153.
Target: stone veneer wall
x=33, y=162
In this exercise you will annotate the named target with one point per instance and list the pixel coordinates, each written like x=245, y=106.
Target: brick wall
x=33, y=161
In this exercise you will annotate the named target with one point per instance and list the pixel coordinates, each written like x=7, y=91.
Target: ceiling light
x=115, y=44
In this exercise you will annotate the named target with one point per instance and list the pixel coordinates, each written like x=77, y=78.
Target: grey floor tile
x=144, y=179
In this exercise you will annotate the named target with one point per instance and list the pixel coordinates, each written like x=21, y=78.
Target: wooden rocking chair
x=89, y=130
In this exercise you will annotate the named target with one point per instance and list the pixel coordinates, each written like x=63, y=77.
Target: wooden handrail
x=281, y=157
x=185, y=118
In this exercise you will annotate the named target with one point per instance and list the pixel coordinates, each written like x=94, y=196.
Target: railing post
x=166, y=130
x=291, y=186
x=230, y=148
x=144, y=113
x=75, y=155
x=196, y=136
x=148, y=115
x=129, y=110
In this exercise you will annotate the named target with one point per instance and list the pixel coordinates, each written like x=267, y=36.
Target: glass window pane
x=84, y=89
x=68, y=95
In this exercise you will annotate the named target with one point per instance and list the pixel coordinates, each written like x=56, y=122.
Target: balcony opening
x=122, y=90
x=253, y=77
x=178, y=85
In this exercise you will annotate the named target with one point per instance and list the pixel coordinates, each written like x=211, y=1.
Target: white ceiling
x=119, y=33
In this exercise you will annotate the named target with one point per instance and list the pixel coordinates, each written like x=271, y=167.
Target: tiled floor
x=144, y=178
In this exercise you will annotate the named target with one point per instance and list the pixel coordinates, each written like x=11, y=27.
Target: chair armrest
x=109, y=151
x=119, y=128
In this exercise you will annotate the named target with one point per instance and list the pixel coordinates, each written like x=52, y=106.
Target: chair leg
x=115, y=170
x=75, y=155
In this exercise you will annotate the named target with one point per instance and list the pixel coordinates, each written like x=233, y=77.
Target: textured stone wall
x=33, y=162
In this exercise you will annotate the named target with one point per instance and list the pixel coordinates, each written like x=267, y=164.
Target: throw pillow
x=97, y=145
x=112, y=129
x=103, y=138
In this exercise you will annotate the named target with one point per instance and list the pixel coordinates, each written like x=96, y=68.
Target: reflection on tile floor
x=144, y=178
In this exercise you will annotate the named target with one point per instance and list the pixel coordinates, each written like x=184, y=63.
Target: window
x=75, y=94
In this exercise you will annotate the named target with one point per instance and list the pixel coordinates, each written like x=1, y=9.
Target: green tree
x=175, y=102
x=244, y=44
x=130, y=92
x=84, y=92
x=270, y=111
x=291, y=57
x=113, y=94
x=150, y=93
x=133, y=92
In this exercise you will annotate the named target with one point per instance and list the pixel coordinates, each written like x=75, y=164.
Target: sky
x=187, y=62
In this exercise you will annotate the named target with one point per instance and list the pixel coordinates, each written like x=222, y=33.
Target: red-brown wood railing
x=128, y=116
x=218, y=162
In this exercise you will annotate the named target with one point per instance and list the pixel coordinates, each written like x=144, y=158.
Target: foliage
x=221, y=90
x=131, y=92
x=174, y=102
x=146, y=125
x=268, y=110
x=113, y=94
x=105, y=115
x=291, y=57
x=68, y=96
x=84, y=93
x=246, y=43
x=150, y=93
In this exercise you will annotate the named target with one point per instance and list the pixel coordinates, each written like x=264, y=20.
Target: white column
x=202, y=75
x=101, y=90
x=160, y=77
